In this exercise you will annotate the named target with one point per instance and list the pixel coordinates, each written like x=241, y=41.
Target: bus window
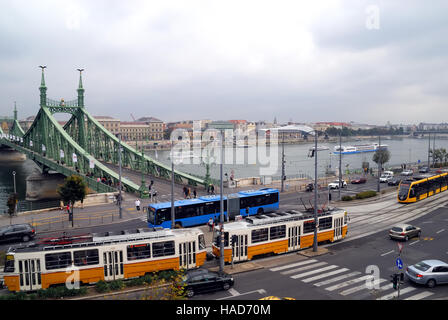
x=162, y=215
x=151, y=214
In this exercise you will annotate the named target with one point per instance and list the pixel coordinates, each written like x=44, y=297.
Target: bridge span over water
x=83, y=146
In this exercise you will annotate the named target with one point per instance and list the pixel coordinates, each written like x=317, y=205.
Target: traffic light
x=395, y=281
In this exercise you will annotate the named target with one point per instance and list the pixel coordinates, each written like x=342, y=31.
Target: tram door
x=239, y=247
x=187, y=254
x=113, y=265
x=30, y=274
x=293, y=238
x=338, y=224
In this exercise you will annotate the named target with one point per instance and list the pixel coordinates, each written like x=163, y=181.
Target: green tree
x=74, y=189
x=381, y=156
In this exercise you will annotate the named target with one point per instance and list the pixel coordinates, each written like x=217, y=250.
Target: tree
x=74, y=189
x=381, y=156
x=12, y=202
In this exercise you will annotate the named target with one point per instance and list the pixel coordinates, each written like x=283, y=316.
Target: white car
x=407, y=172
x=385, y=177
x=335, y=184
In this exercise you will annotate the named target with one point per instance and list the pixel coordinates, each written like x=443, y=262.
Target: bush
x=347, y=198
x=116, y=285
x=365, y=194
x=102, y=286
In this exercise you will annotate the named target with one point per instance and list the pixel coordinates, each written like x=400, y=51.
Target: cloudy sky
x=323, y=60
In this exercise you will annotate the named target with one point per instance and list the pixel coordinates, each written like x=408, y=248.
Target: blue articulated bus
x=193, y=212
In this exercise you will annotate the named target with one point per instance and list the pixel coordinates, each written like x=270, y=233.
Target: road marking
x=359, y=288
x=440, y=231
x=414, y=242
x=260, y=291
x=349, y=282
x=421, y=295
x=233, y=292
x=345, y=276
x=395, y=294
x=297, y=276
x=384, y=254
x=325, y=275
x=293, y=265
x=304, y=268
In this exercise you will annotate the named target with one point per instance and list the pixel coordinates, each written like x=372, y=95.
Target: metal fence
x=25, y=205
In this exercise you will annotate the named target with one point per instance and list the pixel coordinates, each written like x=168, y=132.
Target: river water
x=240, y=163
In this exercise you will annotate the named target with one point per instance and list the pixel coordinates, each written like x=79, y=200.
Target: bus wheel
x=178, y=225
x=260, y=211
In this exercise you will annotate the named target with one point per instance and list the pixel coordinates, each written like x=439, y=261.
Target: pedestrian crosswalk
x=348, y=283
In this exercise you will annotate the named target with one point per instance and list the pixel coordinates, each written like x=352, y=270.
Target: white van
x=386, y=176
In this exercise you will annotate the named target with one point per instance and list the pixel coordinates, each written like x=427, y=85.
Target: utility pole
x=221, y=203
x=172, y=187
x=315, y=193
x=429, y=148
x=379, y=164
x=340, y=164
x=119, y=177
x=283, y=162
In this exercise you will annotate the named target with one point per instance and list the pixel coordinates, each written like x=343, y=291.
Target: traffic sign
x=399, y=263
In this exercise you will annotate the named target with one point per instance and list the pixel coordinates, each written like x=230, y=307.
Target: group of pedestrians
x=188, y=194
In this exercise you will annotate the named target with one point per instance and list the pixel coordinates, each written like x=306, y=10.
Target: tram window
x=325, y=223
x=58, y=260
x=277, y=232
x=161, y=249
x=201, y=241
x=86, y=257
x=260, y=235
x=308, y=226
x=139, y=251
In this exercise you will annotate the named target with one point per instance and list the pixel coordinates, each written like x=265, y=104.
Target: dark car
x=359, y=180
x=309, y=187
x=202, y=280
x=423, y=170
x=394, y=181
x=17, y=232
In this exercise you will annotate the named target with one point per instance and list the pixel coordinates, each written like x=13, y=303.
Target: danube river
x=246, y=162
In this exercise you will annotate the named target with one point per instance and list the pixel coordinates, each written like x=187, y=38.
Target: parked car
x=395, y=181
x=404, y=232
x=407, y=172
x=359, y=180
x=428, y=272
x=17, y=232
x=335, y=184
x=423, y=170
x=309, y=187
x=203, y=280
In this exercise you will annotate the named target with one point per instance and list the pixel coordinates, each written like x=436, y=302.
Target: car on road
x=386, y=176
x=404, y=232
x=335, y=184
x=309, y=187
x=407, y=172
x=428, y=272
x=17, y=232
x=203, y=280
x=423, y=170
x=395, y=181
x=359, y=180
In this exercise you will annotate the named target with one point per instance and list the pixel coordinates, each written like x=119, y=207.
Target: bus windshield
x=151, y=214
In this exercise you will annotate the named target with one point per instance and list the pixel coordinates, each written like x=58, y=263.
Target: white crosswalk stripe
x=345, y=276
x=293, y=265
x=420, y=296
x=325, y=275
x=297, y=276
x=303, y=268
x=361, y=287
x=349, y=282
x=395, y=294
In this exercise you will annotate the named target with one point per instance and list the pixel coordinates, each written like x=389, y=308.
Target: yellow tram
x=277, y=233
x=108, y=257
x=422, y=187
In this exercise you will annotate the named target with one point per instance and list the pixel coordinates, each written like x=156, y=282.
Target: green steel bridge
x=83, y=146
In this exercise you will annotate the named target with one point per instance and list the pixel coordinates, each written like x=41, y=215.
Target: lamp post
x=172, y=186
x=315, y=193
x=14, y=177
x=119, y=176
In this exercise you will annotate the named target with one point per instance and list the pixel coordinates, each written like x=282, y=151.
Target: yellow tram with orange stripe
x=104, y=257
x=422, y=187
x=277, y=233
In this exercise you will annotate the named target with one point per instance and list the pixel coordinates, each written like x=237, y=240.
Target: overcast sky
x=321, y=60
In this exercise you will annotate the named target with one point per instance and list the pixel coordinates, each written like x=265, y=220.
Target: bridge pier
x=8, y=154
x=43, y=186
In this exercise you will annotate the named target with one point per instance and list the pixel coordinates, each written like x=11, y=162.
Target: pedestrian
x=212, y=189
x=137, y=204
x=189, y=193
x=68, y=208
x=185, y=192
x=194, y=193
x=210, y=224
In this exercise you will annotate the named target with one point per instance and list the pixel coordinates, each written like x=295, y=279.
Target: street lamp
x=315, y=193
x=14, y=176
x=119, y=177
